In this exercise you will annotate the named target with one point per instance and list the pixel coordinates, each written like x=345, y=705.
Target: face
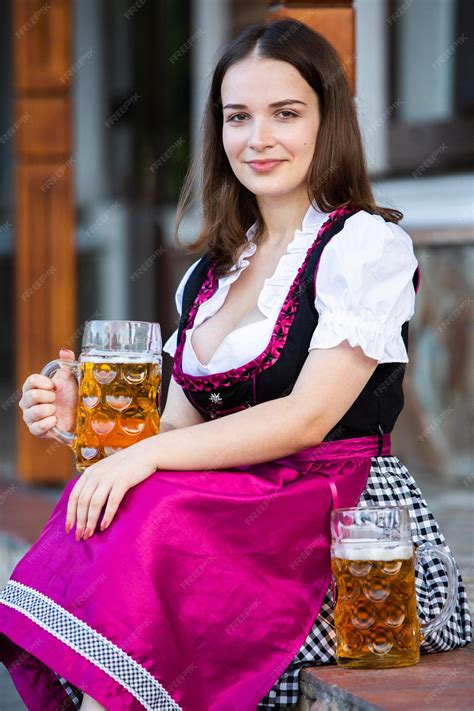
x=269, y=112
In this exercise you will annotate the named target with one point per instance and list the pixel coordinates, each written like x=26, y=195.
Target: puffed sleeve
x=364, y=288
x=171, y=343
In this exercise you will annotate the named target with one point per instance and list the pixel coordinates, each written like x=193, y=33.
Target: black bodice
x=274, y=373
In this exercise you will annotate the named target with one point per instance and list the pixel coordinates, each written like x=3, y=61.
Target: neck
x=281, y=218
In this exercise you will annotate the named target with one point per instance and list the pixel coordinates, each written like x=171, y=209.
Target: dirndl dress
x=210, y=590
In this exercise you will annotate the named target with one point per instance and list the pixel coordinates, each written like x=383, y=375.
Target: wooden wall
x=335, y=19
x=45, y=280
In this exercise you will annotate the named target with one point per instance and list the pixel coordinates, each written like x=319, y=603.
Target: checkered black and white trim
x=389, y=484
x=75, y=695
x=92, y=645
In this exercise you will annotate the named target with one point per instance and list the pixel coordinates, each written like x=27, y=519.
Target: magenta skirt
x=197, y=596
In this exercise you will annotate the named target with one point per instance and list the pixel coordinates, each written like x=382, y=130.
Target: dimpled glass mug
x=373, y=564
x=119, y=378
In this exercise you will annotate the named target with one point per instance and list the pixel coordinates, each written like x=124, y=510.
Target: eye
x=231, y=118
x=291, y=114
x=285, y=111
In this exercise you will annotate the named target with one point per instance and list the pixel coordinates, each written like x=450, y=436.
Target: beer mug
x=373, y=564
x=119, y=379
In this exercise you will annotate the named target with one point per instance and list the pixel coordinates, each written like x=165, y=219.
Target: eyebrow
x=275, y=104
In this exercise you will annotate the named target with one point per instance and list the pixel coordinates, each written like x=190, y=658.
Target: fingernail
x=104, y=525
x=68, y=528
x=78, y=534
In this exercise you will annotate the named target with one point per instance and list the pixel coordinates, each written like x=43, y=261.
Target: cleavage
x=212, y=332
x=240, y=309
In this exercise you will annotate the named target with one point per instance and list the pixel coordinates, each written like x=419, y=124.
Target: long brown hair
x=337, y=175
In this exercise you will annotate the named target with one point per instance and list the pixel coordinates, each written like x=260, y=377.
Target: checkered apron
x=389, y=484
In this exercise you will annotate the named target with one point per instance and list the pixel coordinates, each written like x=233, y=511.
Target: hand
x=108, y=481
x=47, y=402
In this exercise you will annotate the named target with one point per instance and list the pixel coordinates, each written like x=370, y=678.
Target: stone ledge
x=443, y=681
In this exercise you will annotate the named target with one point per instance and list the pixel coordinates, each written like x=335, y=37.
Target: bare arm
x=178, y=410
x=330, y=381
x=328, y=384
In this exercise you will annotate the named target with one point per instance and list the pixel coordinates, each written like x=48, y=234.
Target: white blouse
x=364, y=293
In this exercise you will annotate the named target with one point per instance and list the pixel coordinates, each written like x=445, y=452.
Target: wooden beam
x=335, y=20
x=45, y=277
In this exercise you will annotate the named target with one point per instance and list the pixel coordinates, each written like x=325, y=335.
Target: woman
x=208, y=589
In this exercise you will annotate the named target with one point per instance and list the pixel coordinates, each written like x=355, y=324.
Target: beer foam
x=371, y=550
x=111, y=359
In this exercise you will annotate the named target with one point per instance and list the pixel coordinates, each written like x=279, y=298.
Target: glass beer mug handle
x=426, y=550
x=49, y=369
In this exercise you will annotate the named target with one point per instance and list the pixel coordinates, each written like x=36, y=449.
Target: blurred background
x=101, y=103
x=100, y=110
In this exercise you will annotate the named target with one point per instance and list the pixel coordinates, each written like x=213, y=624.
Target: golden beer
x=373, y=564
x=118, y=375
x=375, y=616
x=118, y=406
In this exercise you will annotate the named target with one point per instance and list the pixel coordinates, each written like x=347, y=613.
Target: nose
x=260, y=136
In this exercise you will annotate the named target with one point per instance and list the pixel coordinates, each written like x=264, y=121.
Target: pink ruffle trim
x=279, y=335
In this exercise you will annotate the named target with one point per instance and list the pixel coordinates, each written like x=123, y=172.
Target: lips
x=263, y=162
x=264, y=165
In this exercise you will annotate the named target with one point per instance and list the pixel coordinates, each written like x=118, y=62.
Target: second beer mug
x=119, y=379
x=373, y=563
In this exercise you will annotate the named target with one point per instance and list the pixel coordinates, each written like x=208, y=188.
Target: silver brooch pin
x=215, y=398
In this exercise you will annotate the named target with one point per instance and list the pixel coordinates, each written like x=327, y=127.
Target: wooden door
x=332, y=18
x=45, y=280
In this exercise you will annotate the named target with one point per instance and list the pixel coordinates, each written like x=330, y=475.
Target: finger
x=43, y=426
x=37, y=397
x=83, y=504
x=36, y=380
x=38, y=412
x=63, y=373
x=115, y=497
x=96, y=505
x=71, y=512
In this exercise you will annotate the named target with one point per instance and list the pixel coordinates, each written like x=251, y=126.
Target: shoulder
x=364, y=289
x=368, y=242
